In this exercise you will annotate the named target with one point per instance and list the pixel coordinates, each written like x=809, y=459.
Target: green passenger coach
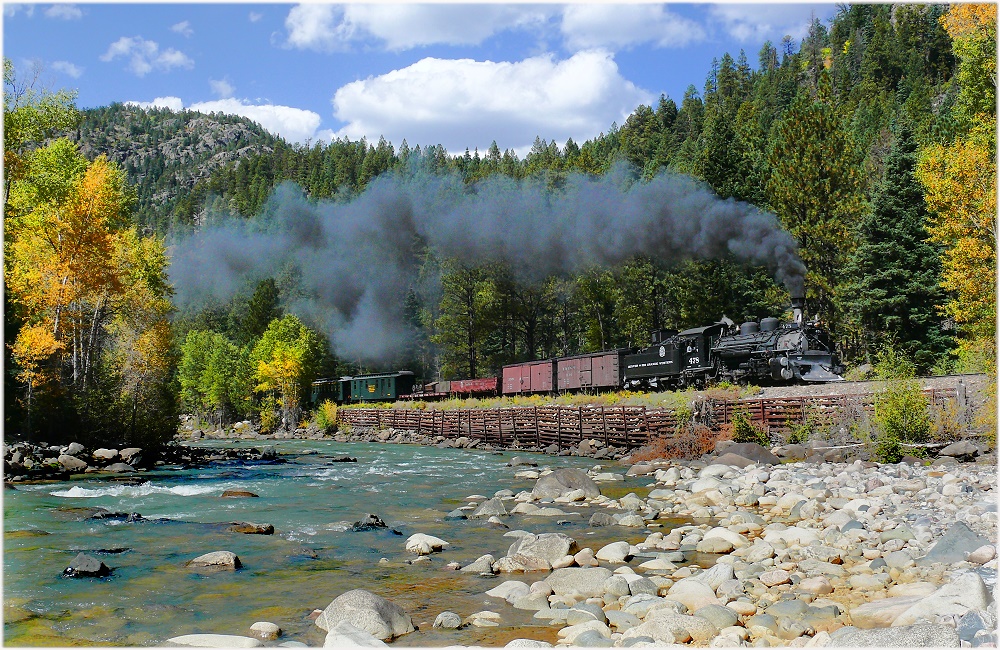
x=381, y=387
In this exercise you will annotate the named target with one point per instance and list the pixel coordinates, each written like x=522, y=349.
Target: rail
x=625, y=427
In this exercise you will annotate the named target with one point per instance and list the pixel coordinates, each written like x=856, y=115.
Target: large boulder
x=965, y=592
x=960, y=449
x=131, y=455
x=953, y=547
x=370, y=612
x=562, y=482
x=588, y=582
x=749, y=450
x=912, y=636
x=72, y=463
x=104, y=454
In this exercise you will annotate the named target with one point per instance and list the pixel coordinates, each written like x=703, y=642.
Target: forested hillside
x=165, y=154
x=873, y=141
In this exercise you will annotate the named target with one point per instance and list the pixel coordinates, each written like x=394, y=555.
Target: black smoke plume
x=357, y=260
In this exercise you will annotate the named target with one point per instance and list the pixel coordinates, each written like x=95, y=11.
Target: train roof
x=700, y=330
x=380, y=375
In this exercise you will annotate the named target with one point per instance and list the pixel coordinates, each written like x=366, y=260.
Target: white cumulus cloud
x=753, y=22
x=67, y=68
x=183, y=28
x=616, y=26
x=292, y=124
x=12, y=9
x=400, y=27
x=466, y=103
x=145, y=55
x=64, y=12
x=221, y=88
x=173, y=103
x=254, y=16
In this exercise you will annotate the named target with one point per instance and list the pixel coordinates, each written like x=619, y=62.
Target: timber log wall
x=619, y=426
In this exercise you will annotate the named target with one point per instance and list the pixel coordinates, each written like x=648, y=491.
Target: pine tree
x=895, y=273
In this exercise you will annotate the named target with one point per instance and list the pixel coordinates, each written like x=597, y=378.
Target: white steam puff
x=358, y=260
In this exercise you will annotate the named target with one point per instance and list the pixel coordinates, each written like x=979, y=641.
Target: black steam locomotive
x=768, y=352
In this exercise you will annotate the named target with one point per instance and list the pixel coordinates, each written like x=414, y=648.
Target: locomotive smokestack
x=798, y=304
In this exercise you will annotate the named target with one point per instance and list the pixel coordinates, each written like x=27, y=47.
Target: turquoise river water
x=312, y=557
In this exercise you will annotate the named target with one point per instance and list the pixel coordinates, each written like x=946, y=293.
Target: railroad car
x=380, y=387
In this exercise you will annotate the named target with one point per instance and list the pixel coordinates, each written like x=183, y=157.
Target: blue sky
x=457, y=75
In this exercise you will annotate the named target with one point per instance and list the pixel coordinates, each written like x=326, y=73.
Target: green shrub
x=269, y=417
x=901, y=414
x=746, y=431
x=325, y=416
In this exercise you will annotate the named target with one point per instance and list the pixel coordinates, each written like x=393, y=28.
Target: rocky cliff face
x=166, y=153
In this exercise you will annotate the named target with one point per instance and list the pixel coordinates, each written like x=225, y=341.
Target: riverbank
x=698, y=553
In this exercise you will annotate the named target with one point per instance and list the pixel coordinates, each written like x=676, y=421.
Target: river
x=312, y=557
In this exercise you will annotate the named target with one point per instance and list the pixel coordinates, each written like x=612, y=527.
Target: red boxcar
x=597, y=370
x=530, y=377
x=487, y=385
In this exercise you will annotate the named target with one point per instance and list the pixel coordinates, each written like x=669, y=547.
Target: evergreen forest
x=873, y=140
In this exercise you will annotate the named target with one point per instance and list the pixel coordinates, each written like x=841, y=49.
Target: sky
x=458, y=75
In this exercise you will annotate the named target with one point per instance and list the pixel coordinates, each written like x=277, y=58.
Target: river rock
x=422, y=544
x=370, y=612
x=105, y=454
x=549, y=547
x=584, y=581
x=266, y=631
x=509, y=590
x=239, y=494
x=983, y=554
x=215, y=641
x=250, y=528
x=483, y=564
x=912, y=636
x=954, y=545
x=448, y=621
x=615, y=552
x=489, y=508
x=346, y=635
x=73, y=449
x=217, y=559
x=131, y=455
x=694, y=593
x=86, y=566
x=563, y=481
x=368, y=522
x=719, y=616
x=72, y=463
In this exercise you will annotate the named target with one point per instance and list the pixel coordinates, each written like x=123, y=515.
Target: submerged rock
x=217, y=559
x=368, y=522
x=250, y=528
x=239, y=494
x=86, y=566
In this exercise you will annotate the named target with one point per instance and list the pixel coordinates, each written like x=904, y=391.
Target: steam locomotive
x=768, y=352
